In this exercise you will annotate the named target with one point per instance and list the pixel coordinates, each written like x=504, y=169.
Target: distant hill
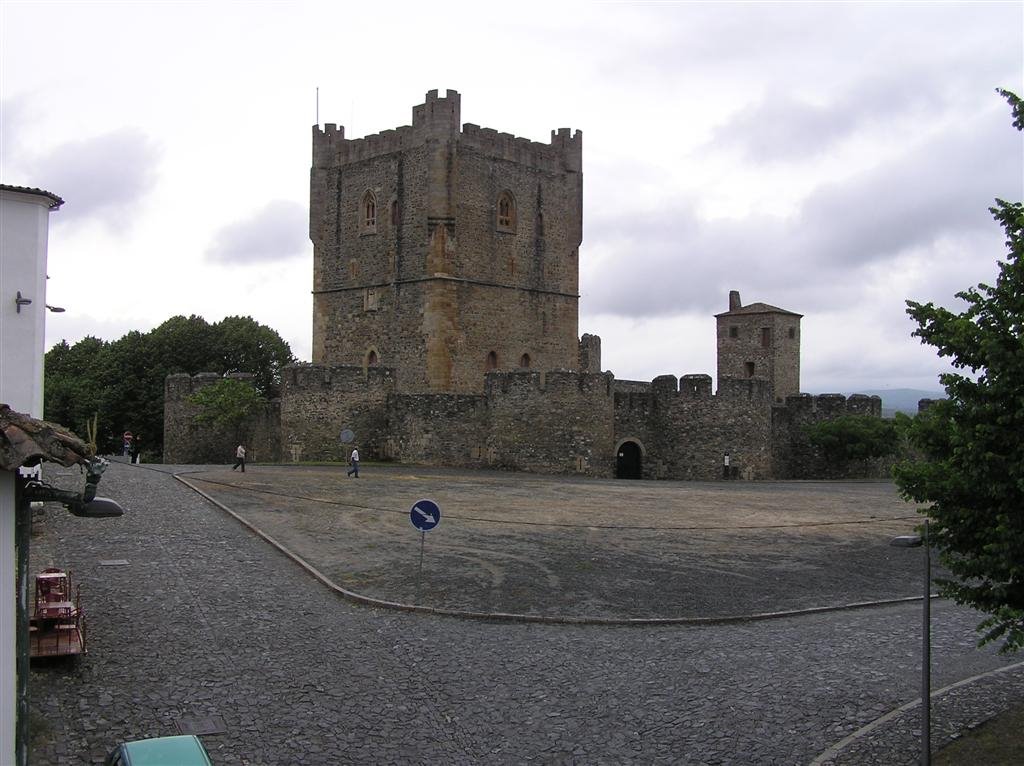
x=901, y=399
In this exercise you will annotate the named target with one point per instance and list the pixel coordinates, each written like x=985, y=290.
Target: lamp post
x=921, y=541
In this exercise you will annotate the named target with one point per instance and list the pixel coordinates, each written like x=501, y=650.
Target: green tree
x=972, y=471
x=73, y=388
x=123, y=381
x=853, y=437
x=225, y=405
x=243, y=345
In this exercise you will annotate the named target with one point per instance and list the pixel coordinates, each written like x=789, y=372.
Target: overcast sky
x=833, y=159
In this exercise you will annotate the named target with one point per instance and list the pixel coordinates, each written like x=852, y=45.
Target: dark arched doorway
x=629, y=461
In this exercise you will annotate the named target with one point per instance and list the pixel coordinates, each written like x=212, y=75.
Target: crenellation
x=830, y=404
x=862, y=404
x=695, y=386
x=590, y=353
x=665, y=385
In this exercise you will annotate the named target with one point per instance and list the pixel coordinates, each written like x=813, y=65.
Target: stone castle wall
x=556, y=422
x=438, y=429
x=685, y=430
x=319, y=402
x=793, y=457
x=187, y=443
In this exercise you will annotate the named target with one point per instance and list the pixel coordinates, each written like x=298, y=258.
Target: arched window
x=371, y=359
x=524, y=360
x=506, y=213
x=492, y=361
x=368, y=213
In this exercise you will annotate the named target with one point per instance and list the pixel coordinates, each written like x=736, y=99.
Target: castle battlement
x=307, y=377
x=698, y=386
x=499, y=383
x=565, y=152
x=833, y=405
x=180, y=386
x=438, y=117
x=693, y=387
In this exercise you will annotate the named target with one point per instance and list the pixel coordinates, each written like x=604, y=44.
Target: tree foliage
x=853, y=437
x=972, y=472
x=226, y=404
x=122, y=382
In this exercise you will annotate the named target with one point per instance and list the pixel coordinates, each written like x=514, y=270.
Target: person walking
x=354, y=460
x=239, y=458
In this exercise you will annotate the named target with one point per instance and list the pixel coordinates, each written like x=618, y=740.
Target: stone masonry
x=445, y=329
x=444, y=253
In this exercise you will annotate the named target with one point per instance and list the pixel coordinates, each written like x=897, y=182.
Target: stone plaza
x=229, y=621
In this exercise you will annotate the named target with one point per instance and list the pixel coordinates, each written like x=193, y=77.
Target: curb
x=360, y=598
x=829, y=755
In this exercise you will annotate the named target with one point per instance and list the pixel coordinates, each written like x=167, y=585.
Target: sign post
x=424, y=515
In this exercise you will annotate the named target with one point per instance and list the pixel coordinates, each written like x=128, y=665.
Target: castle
x=445, y=329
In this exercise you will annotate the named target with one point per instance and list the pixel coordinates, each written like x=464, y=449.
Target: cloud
x=665, y=260
x=277, y=231
x=103, y=178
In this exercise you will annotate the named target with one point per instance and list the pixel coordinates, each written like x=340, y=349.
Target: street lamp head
x=907, y=541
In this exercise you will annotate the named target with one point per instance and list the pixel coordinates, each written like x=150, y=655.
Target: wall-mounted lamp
x=21, y=301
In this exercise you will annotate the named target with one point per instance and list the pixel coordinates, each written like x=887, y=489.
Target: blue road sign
x=425, y=515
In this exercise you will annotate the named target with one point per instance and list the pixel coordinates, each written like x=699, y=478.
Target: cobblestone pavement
x=207, y=623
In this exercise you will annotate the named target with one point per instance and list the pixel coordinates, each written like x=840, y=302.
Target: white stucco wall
x=24, y=231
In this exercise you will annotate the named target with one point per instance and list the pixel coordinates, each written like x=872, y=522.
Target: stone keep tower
x=444, y=253
x=760, y=341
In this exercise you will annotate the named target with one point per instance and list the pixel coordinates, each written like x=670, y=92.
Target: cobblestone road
x=206, y=621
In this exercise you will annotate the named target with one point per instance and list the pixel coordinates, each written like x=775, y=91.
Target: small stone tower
x=760, y=341
x=445, y=253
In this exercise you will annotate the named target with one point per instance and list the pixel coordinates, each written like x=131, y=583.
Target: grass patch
x=997, y=741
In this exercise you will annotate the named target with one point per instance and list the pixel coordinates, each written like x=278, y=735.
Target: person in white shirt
x=239, y=458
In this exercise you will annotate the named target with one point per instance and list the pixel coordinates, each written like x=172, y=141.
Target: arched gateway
x=629, y=460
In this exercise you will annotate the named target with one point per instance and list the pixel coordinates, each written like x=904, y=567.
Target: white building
x=24, y=232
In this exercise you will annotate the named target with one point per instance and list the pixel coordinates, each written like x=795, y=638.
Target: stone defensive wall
x=187, y=443
x=794, y=458
x=318, y=402
x=439, y=116
x=547, y=422
x=552, y=422
x=438, y=429
x=684, y=430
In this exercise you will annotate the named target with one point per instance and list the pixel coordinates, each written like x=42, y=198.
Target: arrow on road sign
x=425, y=515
